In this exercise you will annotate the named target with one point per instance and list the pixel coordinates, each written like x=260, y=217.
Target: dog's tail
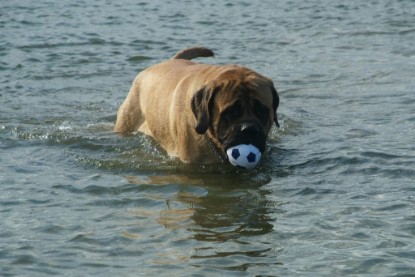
x=194, y=52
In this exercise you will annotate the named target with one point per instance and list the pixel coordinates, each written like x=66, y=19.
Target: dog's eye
x=261, y=111
x=233, y=111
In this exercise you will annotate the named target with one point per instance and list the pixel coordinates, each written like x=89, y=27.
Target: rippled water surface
x=333, y=196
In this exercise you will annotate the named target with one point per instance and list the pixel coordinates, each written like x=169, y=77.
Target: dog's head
x=238, y=107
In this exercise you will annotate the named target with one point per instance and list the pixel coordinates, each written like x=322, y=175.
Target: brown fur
x=181, y=104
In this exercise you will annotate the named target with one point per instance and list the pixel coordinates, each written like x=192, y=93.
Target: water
x=335, y=192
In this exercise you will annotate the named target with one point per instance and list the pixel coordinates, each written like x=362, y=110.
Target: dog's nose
x=249, y=129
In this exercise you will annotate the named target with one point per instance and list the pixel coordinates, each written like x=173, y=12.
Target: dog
x=197, y=111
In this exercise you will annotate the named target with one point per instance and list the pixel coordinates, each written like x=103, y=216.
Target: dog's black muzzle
x=246, y=133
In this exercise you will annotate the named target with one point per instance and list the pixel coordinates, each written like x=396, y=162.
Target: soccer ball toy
x=244, y=155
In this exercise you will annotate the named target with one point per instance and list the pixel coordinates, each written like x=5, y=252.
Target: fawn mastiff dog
x=197, y=111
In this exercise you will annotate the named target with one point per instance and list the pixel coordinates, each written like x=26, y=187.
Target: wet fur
x=185, y=107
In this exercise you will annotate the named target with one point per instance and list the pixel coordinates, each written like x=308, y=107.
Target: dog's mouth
x=252, y=135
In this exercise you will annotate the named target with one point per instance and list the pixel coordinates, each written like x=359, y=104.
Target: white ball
x=244, y=155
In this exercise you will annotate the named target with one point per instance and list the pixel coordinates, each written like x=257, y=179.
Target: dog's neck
x=215, y=149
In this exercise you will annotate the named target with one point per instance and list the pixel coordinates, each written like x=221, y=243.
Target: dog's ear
x=276, y=102
x=202, y=105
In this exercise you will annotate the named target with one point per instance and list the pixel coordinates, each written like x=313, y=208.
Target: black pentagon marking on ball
x=235, y=154
x=251, y=157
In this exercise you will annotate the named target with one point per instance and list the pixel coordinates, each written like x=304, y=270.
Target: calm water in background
x=333, y=196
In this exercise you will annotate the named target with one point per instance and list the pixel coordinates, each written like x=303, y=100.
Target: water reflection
x=216, y=216
x=213, y=208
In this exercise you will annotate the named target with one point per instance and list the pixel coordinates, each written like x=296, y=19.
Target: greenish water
x=333, y=196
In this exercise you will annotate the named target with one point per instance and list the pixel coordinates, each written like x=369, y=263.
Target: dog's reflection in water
x=207, y=209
